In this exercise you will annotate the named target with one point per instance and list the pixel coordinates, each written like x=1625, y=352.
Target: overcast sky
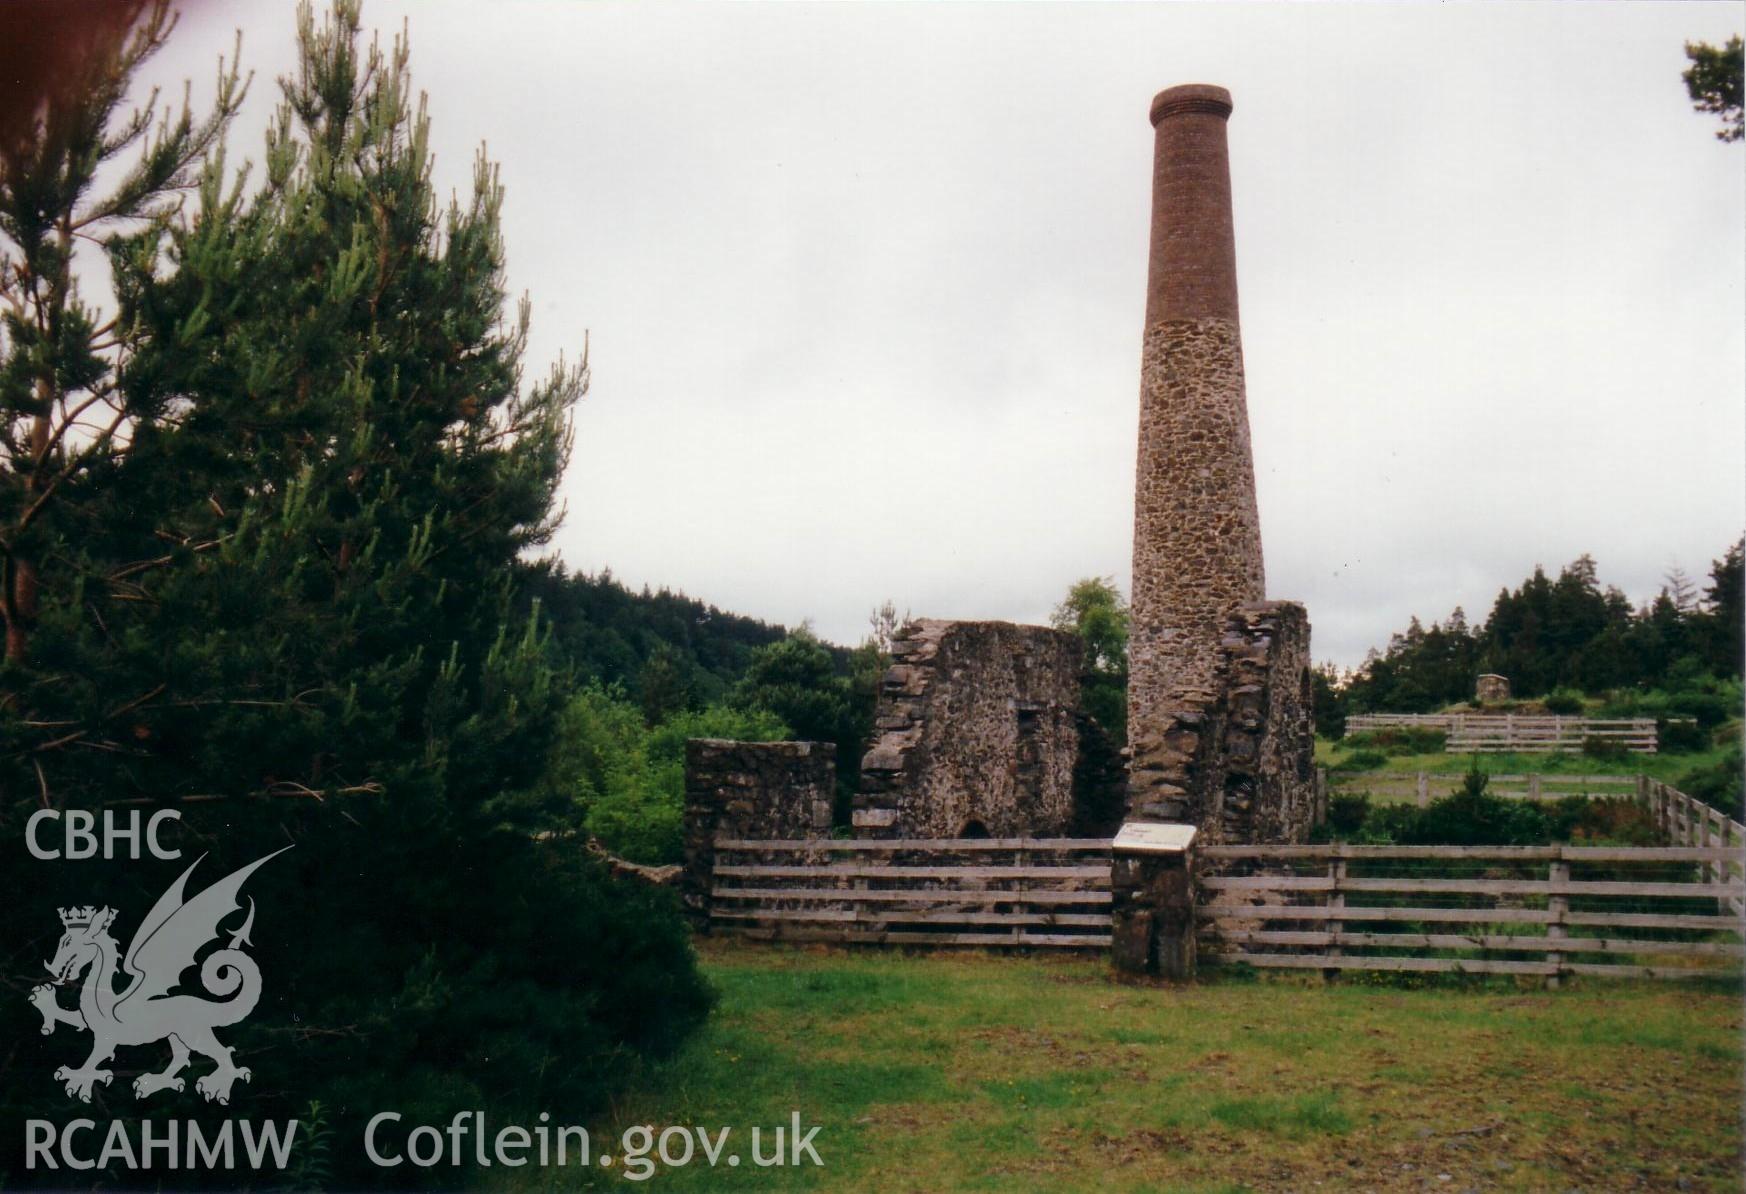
x=865, y=284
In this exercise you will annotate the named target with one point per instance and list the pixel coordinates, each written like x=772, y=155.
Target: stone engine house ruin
x=979, y=731
x=979, y=735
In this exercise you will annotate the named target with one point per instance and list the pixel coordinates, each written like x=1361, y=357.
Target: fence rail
x=1689, y=822
x=1440, y=908
x=1485, y=733
x=1425, y=786
x=1052, y=892
x=1671, y=911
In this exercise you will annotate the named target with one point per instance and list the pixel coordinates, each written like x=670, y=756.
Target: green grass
x=1669, y=768
x=978, y=1072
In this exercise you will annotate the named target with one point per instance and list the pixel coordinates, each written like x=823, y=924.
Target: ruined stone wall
x=1240, y=766
x=977, y=732
x=778, y=790
x=1270, y=782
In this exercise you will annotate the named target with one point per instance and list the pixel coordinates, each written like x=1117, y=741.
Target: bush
x=1563, y=701
x=1347, y=814
x=1709, y=707
x=1717, y=785
x=1610, y=750
x=1710, y=701
x=1474, y=817
x=1399, y=740
x=1361, y=760
x=1681, y=735
x=625, y=782
x=1614, y=820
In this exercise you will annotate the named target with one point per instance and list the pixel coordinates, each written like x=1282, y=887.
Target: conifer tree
x=65, y=416
x=287, y=613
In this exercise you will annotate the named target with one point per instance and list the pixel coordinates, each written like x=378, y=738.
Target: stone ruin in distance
x=978, y=730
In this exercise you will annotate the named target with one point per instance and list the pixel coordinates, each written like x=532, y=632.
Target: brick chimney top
x=1190, y=97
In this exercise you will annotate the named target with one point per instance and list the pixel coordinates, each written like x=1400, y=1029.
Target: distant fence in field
x=1476, y=909
x=923, y=891
x=1496, y=732
x=1424, y=786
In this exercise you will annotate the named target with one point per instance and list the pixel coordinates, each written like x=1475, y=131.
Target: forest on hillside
x=1567, y=635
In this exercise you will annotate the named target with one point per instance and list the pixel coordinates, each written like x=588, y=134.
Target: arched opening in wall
x=973, y=829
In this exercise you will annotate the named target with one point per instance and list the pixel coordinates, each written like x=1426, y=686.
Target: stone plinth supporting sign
x=1152, y=885
x=752, y=790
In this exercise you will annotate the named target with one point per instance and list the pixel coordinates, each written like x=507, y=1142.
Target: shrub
x=1362, y=760
x=1347, y=813
x=1681, y=735
x=1711, y=701
x=626, y=782
x=1718, y=784
x=1608, y=749
x=1710, y=707
x=1399, y=740
x=1563, y=701
x=1472, y=816
x=1614, y=820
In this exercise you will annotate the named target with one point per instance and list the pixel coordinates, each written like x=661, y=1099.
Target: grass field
x=1669, y=768
x=978, y=1072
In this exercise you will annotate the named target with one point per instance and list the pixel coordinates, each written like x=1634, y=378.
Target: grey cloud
x=864, y=286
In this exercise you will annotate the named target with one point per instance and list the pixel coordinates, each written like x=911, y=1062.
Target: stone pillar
x=1152, y=910
x=1197, y=533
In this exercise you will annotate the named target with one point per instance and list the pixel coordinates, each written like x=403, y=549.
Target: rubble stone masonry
x=1197, y=529
x=978, y=733
x=749, y=790
x=1240, y=767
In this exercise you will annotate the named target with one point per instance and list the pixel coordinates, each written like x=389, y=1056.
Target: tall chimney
x=1197, y=534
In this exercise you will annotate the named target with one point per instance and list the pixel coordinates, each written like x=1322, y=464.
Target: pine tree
x=65, y=416
x=289, y=615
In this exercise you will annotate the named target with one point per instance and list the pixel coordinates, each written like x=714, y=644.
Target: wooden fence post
x=1557, y=908
x=1534, y=785
x=1336, y=899
x=1715, y=870
x=1422, y=790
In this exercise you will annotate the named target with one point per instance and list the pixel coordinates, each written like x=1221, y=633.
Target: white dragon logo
x=165, y=945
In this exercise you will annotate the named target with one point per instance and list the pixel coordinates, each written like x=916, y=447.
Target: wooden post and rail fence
x=1532, y=910
x=1424, y=786
x=1672, y=911
x=1493, y=733
x=1051, y=892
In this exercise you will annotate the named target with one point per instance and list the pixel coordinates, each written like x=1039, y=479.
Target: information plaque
x=1152, y=837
